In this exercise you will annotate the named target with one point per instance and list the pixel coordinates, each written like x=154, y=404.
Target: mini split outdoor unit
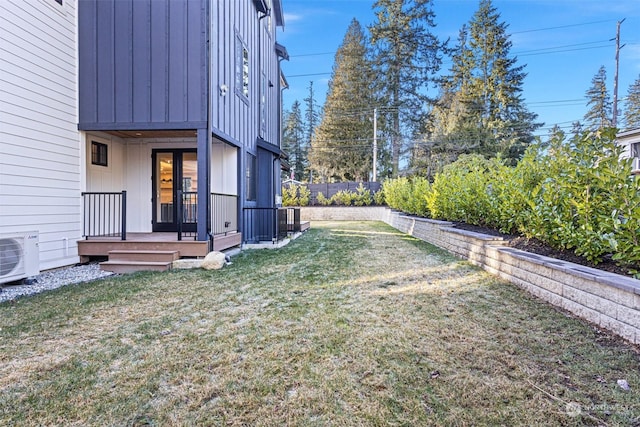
x=19, y=256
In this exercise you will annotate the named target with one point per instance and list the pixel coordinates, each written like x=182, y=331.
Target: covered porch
x=105, y=232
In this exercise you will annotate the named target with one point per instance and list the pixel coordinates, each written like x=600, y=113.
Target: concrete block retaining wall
x=608, y=300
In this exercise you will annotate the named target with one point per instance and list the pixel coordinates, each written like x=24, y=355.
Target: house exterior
x=629, y=140
x=139, y=116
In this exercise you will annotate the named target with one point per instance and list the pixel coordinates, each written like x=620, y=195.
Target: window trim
x=263, y=104
x=242, y=69
x=251, y=177
x=100, y=157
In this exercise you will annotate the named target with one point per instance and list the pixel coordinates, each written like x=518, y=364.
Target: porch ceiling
x=153, y=133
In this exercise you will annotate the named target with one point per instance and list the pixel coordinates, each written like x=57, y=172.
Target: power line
x=535, y=52
x=563, y=26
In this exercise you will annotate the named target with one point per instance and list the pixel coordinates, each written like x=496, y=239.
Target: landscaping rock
x=214, y=261
x=187, y=263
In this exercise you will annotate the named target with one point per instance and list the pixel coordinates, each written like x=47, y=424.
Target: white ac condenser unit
x=19, y=256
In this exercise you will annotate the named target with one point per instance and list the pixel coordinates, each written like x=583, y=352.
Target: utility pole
x=375, y=144
x=614, y=122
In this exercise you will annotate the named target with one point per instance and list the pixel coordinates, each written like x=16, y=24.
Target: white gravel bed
x=52, y=279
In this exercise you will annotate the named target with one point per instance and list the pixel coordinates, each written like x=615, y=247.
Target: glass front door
x=175, y=181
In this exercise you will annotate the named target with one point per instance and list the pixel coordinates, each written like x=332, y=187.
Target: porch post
x=204, y=162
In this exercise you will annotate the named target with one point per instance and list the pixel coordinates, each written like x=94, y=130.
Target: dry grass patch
x=352, y=324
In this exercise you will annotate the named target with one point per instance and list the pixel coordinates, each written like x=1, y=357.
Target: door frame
x=177, y=177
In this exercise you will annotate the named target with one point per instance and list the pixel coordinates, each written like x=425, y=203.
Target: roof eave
x=278, y=13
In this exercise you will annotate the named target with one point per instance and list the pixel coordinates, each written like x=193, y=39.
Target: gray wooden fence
x=328, y=190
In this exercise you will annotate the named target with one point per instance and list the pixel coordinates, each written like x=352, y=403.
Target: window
x=242, y=68
x=263, y=105
x=99, y=154
x=251, y=177
x=635, y=149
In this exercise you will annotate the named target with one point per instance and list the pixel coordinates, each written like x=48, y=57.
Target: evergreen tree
x=481, y=109
x=312, y=113
x=577, y=129
x=632, y=104
x=294, y=142
x=600, y=107
x=408, y=56
x=342, y=144
x=311, y=117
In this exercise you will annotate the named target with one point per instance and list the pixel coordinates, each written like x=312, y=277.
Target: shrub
x=363, y=196
x=295, y=195
x=322, y=200
x=378, y=198
x=304, y=195
x=462, y=191
x=575, y=194
x=343, y=198
x=289, y=195
x=588, y=198
x=407, y=195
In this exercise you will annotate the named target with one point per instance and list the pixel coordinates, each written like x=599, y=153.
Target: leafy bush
x=462, y=191
x=322, y=200
x=295, y=195
x=575, y=194
x=407, y=195
x=343, y=198
x=290, y=195
x=304, y=196
x=514, y=191
x=363, y=196
x=588, y=198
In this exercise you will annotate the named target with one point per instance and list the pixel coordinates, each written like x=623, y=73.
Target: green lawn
x=352, y=324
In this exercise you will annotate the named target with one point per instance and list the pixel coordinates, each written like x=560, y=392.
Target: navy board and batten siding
x=248, y=120
x=207, y=65
x=143, y=64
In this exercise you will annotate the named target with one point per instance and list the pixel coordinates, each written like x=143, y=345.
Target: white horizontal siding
x=40, y=164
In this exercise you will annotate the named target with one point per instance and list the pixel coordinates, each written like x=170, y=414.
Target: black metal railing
x=269, y=224
x=187, y=211
x=293, y=220
x=224, y=213
x=282, y=224
x=105, y=214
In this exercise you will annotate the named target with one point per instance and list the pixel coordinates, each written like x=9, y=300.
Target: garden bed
x=537, y=247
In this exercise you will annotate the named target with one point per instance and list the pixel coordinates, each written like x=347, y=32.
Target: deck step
x=143, y=255
x=133, y=266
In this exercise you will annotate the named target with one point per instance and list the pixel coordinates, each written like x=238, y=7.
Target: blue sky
x=562, y=42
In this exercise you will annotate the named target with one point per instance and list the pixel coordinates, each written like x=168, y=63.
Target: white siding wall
x=224, y=169
x=108, y=178
x=626, y=139
x=40, y=153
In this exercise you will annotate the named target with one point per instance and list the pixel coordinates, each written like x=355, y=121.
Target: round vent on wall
x=10, y=253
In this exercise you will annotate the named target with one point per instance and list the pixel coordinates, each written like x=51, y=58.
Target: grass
x=352, y=324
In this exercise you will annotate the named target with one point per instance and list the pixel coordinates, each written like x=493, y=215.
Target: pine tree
x=312, y=113
x=481, y=109
x=408, y=55
x=312, y=116
x=600, y=107
x=632, y=106
x=294, y=141
x=342, y=144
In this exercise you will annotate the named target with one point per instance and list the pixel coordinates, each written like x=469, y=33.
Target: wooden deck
x=187, y=247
